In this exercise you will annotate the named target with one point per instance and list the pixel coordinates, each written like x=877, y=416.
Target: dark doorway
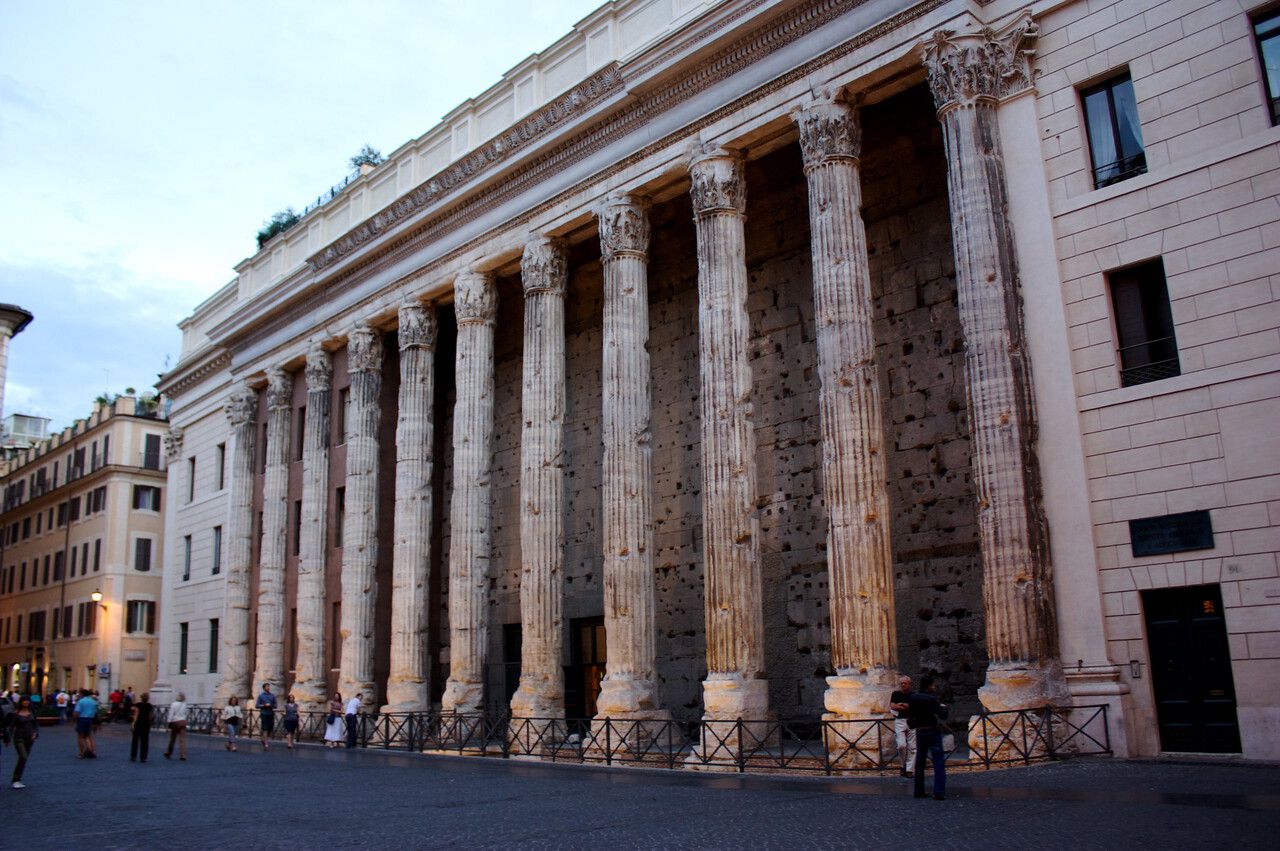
x=587, y=657
x=1191, y=670
x=512, y=642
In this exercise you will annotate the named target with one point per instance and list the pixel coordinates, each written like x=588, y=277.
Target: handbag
x=331, y=717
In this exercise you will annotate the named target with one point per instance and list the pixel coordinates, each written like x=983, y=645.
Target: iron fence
x=819, y=747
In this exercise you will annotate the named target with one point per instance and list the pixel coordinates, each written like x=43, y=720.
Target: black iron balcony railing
x=810, y=746
x=1159, y=359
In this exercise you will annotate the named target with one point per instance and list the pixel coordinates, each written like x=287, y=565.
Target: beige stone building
x=82, y=552
x=727, y=358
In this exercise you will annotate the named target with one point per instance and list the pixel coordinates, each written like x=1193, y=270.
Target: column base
x=537, y=715
x=1005, y=735
x=735, y=720
x=462, y=698
x=161, y=693
x=410, y=696
x=859, y=729
x=636, y=723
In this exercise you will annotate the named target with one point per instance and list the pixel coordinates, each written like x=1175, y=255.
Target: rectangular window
x=106, y=442
x=73, y=561
x=151, y=452
x=90, y=617
x=62, y=515
x=74, y=502
x=18, y=628
x=191, y=479
x=39, y=521
x=142, y=554
x=1115, y=134
x=1266, y=29
x=46, y=571
x=299, y=432
x=297, y=526
x=217, y=550
x=84, y=558
x=53, y=633
x=22, y=577
x=213, y=645
x=79, y=456
x=26, y=528
x=344, y=405
x=140, y=616
x=186, y=558
x=93, y=456
x=35, y=626
x=146, y=498
x=80, y=607
x=100, y=498
x=1144, y=324
x=97, y=554
x=59, y=565
x=182, y=647
x=339, y=515
x=220, y=459
x=66, y=621
x=55, y=474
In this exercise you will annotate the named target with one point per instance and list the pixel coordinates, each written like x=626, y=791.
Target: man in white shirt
x=355, y=706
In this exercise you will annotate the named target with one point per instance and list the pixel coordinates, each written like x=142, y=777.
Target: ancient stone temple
x=731, y=358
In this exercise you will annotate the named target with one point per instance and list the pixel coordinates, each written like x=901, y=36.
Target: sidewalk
x=312, y=797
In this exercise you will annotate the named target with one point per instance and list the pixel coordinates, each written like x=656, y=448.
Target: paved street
x=311, y=797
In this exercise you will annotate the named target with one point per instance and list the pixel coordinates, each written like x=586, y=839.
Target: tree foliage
x=368, y=155
x=279, y=223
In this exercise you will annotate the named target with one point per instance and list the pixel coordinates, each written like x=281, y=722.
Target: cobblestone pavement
x=311, y=797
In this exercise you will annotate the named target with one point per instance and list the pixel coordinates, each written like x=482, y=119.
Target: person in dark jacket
x=21, y=728
x=925, y=715
x=140, y=724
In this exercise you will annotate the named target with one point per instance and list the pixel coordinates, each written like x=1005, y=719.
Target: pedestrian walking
x=63, y=703
x=902, y=733
x=232, y=715
x=266, y=714
x=333, y=722
x=21, y=728
x=126, y=705
x=86, y=713
x=925, y=714
x=290, y=720
x=178, y=727
x=142, y=715
x=354, y=708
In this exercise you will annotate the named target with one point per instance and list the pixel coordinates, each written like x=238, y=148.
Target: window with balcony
x=1148, y=350
x=1115, y=134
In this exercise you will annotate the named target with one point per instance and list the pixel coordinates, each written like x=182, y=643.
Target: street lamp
x=96, y=596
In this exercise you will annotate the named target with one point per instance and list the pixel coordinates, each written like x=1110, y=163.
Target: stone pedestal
x=475, y=305
x=544, y=271
x=233, y=655
x=360, y=526
x=969, y=74
x=309, y=685
x=735, y=687
x=275, y=523
x=408, y=684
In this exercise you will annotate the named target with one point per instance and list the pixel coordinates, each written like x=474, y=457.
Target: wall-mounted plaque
x=1172, y=533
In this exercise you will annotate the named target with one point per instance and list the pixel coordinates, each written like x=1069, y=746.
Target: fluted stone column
x=360, y=526
x=969, y=74
x=275, y=523
x=735, y=686
x=859, y=560
x=475, y=305
x=309, y=685
x=544, y=271
x=408, y=686
x=630, y=687
x=233, y=655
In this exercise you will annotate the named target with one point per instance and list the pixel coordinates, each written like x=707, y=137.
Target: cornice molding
x=189, y=376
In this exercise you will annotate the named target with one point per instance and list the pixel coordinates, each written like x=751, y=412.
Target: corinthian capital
x=829, y=130
x=242, y=406
x=475, y=298
x=417, y=326
x=364, y=349
x=173, y=444
x=544, y=268
x=319, y=368
x=718, y=181
x=279, y=389
x=624, y=227
x=985, y=64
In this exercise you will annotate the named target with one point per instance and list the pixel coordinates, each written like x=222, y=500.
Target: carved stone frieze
x=242, y=406
x=279, y=389
x=986, y=64
x=718, y=181
x=173, y=444
x=475, y=298
x=624, y=227
x=418, y=328
x=544, y=268
x=828, y=131
x=364, y=349
x=319, y=369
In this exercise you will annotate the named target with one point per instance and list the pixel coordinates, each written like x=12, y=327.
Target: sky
x=143, y=144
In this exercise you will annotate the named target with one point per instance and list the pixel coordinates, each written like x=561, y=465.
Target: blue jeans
x=232, y=731
x=929, y=745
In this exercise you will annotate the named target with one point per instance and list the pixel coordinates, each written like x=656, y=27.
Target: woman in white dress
x=334, y=727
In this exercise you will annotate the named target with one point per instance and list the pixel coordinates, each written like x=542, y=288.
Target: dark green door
x=1191, y=670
